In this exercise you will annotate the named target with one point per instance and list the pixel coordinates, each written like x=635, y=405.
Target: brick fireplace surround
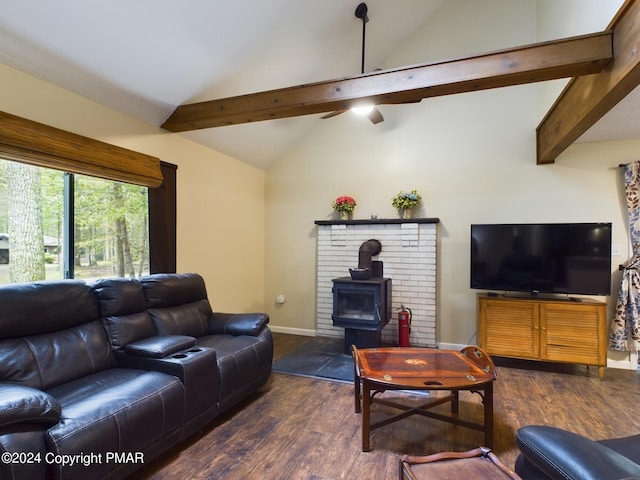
x=409, y=256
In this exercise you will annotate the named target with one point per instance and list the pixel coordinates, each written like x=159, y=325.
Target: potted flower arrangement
x=344, y=205
x=405, y=201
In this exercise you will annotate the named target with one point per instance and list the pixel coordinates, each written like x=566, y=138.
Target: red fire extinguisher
x=404, y=325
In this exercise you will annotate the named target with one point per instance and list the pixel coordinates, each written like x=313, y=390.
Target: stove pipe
x=367, y=250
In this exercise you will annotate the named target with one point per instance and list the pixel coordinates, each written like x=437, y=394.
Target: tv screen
x=565, y=258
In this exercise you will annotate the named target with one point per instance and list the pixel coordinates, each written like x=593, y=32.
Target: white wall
x=569, y=18
x=220, y=203
x=471, y=156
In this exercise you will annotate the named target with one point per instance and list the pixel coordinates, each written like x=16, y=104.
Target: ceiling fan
x=371, y=111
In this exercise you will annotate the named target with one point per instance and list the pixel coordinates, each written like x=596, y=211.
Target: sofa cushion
x=44, y=361
x=171, y=289
x=244, y=363
x=41, y=307
x=123, y=311
x=116, y=410
x=177, y=303
x=119, y=296
x=125, y=329
x=191, y=319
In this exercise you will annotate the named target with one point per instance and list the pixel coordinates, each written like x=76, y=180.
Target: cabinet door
x=509, y=328
x=573, y=333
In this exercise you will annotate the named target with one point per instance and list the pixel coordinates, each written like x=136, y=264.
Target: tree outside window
x=110, y=226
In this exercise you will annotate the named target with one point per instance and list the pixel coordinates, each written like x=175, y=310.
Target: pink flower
x=344, y=203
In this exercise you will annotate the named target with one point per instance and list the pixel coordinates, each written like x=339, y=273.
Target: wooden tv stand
x=542, y=329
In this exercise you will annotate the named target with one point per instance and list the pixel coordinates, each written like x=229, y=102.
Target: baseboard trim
x=623, y=365
x=293, y=331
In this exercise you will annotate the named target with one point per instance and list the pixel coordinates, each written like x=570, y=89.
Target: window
x=57, y=225
x=39, y=145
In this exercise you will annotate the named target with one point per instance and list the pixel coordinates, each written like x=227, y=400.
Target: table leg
x=356, y=378
x=356, y=390
x=455, y=401
x=366, y=416
x=488, y=415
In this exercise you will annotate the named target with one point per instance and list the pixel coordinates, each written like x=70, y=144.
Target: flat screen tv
x=557, y=258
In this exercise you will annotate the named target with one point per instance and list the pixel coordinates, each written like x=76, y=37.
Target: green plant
x=344, y=204
x=406, y=200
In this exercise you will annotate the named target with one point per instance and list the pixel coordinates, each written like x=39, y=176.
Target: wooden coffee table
x=379, y=369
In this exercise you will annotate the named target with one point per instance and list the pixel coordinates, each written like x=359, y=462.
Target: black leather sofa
x=552, y=453
x=98, y=380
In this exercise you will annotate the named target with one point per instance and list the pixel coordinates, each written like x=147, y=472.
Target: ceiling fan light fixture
x=362, y=109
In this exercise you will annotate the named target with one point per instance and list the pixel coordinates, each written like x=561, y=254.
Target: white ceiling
x=621, y=123
x=146, y=57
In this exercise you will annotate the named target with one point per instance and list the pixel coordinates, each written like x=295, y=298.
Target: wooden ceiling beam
x=530, y=63
x=585, y=100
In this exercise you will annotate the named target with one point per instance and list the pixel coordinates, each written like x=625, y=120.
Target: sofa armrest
x=238, y=323
x=20, y=404
x=565, y=455
x=159, y=346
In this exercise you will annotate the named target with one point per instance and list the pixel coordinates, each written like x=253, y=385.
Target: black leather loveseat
x=97, y=380
x=553, y=453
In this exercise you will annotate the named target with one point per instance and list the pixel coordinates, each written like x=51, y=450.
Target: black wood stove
x=362, y=302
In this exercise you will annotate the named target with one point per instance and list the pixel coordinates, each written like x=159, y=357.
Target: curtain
x=162, y=222
x=625, y=328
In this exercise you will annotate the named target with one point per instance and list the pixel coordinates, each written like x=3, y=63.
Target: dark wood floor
x=301, y=428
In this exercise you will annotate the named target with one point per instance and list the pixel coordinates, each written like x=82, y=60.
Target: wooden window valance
x=30, y=142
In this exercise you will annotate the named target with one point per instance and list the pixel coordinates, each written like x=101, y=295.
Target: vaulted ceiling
x=147, y=57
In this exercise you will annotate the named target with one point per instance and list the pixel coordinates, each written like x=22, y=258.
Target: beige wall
x=471, y=156
x=220, y=200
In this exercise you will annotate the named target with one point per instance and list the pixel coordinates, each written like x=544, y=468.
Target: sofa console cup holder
x=190, y=353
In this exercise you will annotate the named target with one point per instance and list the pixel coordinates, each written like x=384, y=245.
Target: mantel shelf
x=376, y=221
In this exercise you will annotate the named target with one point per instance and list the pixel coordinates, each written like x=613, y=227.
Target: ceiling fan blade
x=375, y=116
x=400, y=100
x=332, y=114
